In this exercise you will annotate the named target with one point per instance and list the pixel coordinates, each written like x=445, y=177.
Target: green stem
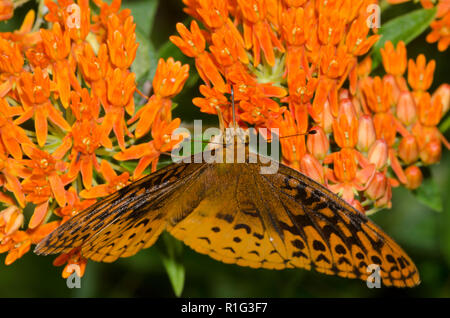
x=40, y=17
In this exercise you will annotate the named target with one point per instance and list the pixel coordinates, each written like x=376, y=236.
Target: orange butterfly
x=235, y=214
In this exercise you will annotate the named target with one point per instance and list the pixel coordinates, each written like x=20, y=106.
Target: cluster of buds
x=287, y=62
x=441, y=24
x=67, y=116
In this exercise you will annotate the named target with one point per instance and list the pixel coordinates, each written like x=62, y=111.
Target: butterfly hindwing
x=125, y=221
x=286, y=220
x=341, y=240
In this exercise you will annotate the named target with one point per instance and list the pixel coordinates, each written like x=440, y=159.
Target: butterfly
x=236, y=214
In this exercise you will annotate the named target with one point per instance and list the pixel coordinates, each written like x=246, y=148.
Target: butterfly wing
x=125, y=221
x=286, y=220
x=236, y=215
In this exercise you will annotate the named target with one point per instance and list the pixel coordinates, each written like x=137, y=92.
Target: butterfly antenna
x=309, y=132
x=233, y=108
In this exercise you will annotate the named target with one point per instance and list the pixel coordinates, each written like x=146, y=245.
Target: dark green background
x=423, y=233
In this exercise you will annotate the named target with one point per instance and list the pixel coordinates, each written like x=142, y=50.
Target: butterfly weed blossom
x=67, y=107
x=288, y=63
x=68, y=118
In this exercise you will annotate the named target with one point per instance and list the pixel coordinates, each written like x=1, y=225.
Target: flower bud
x=345, y=127
x=12, y=218
x=431, y=153
x=442, y=93
x=326, y=118
x=357, y=205
x=406, y=109
x=7, y=10
x=344, y=94
x=395, y=89
x=414, y=177
x=312, y=168
x=408, y=149
x=345, y=165
x=385, y=200
x=429, y=113
x=377, y=186
x=318, y=143
x=378, y=154
x=366, y=133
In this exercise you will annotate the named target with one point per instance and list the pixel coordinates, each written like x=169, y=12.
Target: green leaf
x=172, y=262
x=143, y=12
x=406, y=27
x=429, y=194
x=144, y=65
x=445, y=125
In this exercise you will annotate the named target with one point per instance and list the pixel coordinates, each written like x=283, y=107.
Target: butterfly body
x=232, y=212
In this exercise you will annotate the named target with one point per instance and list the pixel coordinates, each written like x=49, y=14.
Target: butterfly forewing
x=235, y=214
x=125, y=221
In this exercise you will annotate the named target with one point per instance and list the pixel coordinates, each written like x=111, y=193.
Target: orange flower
x=292, y=147
x=11, y=135
x=75, y=263
x=149, y=153
x=93, y=67
x=122, y=41
x=440, y=32
x=34, y=91
x=18, y=243
x=170, y=77
x=301, y=88
x=73, y=206
x=86, y=137
x=11, y=62
x=38, y=191
x=345, y=128
x=120, y=88
x=42, y=164
x=6, y=9
x=378, y=94
x=429, y=114
x=78, y=31
x=9, y=181
x=212, y=102
x=258, y=32
x=394, y=60
x=37, y=57
x=357, y=41
x=56, y=42
x=345, y=176
x=57, y=11
x=420, y=74
x=193, y=44
x=113, y=182
x=83, y=106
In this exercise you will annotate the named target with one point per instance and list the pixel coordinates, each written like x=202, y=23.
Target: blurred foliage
x=421, y=231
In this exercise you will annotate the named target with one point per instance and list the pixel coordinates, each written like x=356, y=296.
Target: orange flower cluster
x=287, y=62
x=66, y=109
x=440, y=27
